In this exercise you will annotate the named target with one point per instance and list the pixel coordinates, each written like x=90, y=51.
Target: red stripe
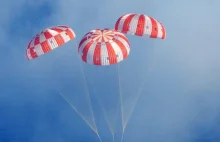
x=33, y=54
x=47, y=34
x=59, y=39
x=45, y=46
x=118, y=21
x=154, y=28
x=81, y=42
x=57, y=29
x=103, y=39
x=122, y=47
x=123, y=37
x=127, y=22
x=28, y=48
x=97, y=55
x=69, y=33
x=85, y=51
x=37, y=40
x=140, y=26
x=111, y=53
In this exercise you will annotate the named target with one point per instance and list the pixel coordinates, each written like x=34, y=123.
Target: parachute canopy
x=103, y=47
x=140, y=25
x=48, y=40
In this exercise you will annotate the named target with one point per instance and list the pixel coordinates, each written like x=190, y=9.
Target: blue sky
x=178, y=77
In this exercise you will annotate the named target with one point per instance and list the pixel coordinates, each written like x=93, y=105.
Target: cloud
x=187, y=60
x=179, y=101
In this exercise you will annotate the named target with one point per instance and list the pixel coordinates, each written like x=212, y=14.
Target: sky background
x=178, y=78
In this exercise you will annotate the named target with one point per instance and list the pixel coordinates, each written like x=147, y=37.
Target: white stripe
x=29, y=54
x=96, y=37
x=106, y=31
x=160, y=32
x=100, y=39
x=121, y=22
x=133, y=25
x=65, y=37
x=42, y=38
x=52, y=42
x=110, y=41
x=118, y=51
x=148, y=26
x=105, y=39
x=125, y=43
x=38, y=49
x=104, y=54
x=119, y=33
x=53, y=32
x=90, y=54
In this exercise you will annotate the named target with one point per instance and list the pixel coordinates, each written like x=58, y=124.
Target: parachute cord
x=105, y=115
x=99, y=137
x=88, y=94
x=111, y=128
x=135, y=102
x=76, y=110
x=113, y=135
x=121, y=99
x=139, y=93
x=122, y=137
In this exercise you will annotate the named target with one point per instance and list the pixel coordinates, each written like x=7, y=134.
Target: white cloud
x=185, y=60
x=184, y=63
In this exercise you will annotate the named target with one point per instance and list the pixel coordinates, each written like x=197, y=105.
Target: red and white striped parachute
x=140, y=25
x=104, y=47
x=48, y=40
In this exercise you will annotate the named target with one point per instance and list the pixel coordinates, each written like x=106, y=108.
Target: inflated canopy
x=103, y=47
x=48, y=40
x=140, y=25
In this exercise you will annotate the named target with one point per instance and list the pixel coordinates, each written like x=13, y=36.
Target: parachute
x=48, y=40
x=103, y=47
x=140, y=25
